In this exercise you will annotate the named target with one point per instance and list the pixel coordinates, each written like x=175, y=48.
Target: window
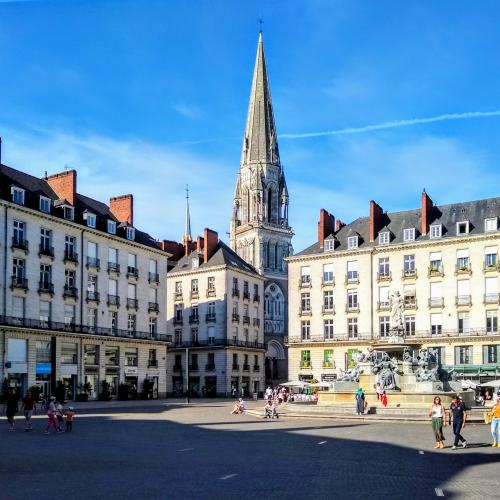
x=45, y=241
x=235, y=334
x=305, y=359
x=435, y=263
x=352, y=242
x=69, y=279
x=153, y=326
x=194, y=287
x=91, y=219
x=328, y=358
x=211, y=310
x=211, y=283
x=352, y=299
x=194, y=335
x=384, y=326
x=410, y=296
x=463, y=262
x=68, y=212
x=131, y=323
x=70, y=247
x=113, y=321
x=245, y=289
x=383, y=267
x=491, y=321
x=111, y=227
x=132, y=262
x=490, y=256
x=436, y=324
x=69, y=315
x=44, y=313
x=43, y=351
x=305, y=275
x=17, y=195
x=91, y=354
x=305, y=330
x=352, y=328
x=113, y=287
x=92, y=319
x=235, y=285
x=329, y=244
x=463, y=355
x=18, y=269
x=491, y=224
x=45, y=204
x=409, y=234
x=112, y=255
x=92, y=253
x=410, y=325
x=436, y=293
x=383, y=297
x=17, y=350
x=45, y=277
x=92, y=283
x=436, y=230
x=178, y=312
x=463, y=323
x=328, y=329
x=328, y=300
x=18, y=307
x=19, y=232
x=352, y=270
x=69, y=354
x=463, y=227
x=211, y=335
x=463, y=292
x=112, y=356
x=305, y=302
x=439, y=353
x=491, y=354
x=384, y=238
x=327, y=273
x=194, y=313
x=131, y=356
x=409, y=264
x=130, y=233
x=178, y=341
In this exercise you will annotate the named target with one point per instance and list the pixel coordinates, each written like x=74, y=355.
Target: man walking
x=459, y=415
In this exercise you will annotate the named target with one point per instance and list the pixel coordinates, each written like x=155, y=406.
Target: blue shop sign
x=43, y=369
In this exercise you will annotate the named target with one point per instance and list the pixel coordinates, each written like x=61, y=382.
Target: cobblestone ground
x=201, y=451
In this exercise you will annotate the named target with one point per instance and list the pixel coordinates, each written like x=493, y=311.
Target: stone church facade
x=260, y=232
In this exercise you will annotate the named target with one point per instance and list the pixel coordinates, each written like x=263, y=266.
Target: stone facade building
x=443, y=261
x=215, y=311
x=82, y=291
x=260, y=233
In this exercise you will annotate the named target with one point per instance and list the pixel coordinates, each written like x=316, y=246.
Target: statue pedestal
x=429, y=386
x=344, y=386
x=367, y=381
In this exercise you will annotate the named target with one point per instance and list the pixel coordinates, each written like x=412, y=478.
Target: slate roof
x=447, y=215
x=34, y=187
x=222, y=256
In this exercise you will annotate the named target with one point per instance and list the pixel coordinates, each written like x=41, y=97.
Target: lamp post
x=187, y=375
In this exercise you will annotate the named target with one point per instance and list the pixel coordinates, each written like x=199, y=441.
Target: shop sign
x=131, y=370
x=43, y=368
x=328, y=377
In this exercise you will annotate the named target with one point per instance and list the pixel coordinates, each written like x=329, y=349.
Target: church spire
x=187, y=238
x=260, y=142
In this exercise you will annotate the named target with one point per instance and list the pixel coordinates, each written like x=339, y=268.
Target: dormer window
x=463, y=227
x=195, y=262
x=409, y=234
x=91, y=219
x=17, y=195
x=491, y=224
x=68, y=212
x=384, y=238
x=352, y=242
x=45, y=204
x=436, y=231
x=111, y=227
x=329, y=245
x=131, y=233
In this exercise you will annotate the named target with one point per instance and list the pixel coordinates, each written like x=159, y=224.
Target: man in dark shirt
x=459, y=415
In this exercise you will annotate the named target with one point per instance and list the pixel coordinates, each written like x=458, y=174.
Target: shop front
x=245, y=386
x=178, y=386
x=43, y=374
x=132, y=379
x=112, y=377
x=17, y=366
x=210, y=387
x=92, y=379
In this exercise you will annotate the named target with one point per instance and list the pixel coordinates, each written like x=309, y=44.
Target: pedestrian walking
x=383, y=399
x=360, y=401
x=11, y=407
x=51, y=414
x=494, y=415
x=459, y=415
x=70, y=415
x=29, y=407
x=59, y=416
x=437, y=414
x=379, y=391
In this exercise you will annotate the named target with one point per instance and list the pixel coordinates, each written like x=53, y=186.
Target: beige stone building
x=82, y=291
x=215, y=314
x=443, y=261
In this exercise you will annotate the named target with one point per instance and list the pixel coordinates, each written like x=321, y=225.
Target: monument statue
x=351, y=375
x=397, y=314
x=407, y=357
x=386, y=370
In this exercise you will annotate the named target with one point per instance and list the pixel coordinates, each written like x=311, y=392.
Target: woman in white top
x=437, y=413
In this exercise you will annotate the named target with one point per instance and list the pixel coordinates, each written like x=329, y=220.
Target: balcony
x=113, y=267
x=195, y=294
x=236, y=366
x=463, y=300
x=305, y=282
x=305, y=364
x=256, y=322
x=153, y=307
x=463, y=269
x=256, y=297
x=178, y=321
x=352, y=308
x=305, y=311
x=328, y=282
x=210, y=292
x=246, y=368
x=70, y=292
x=213, y=342
x=491, y=267
x=329, y=309
x=491, y=298
x=132, y=304
x=435, y=271
x=70, y=256
x=256, y=368
x=409, y=274
x=46, y=250
x=210, y=367
x=384, y=276
x=246, y=319
x=194, y=319
x=19, y=282
x=132, y=272
x=113, y=300
x=152, y=363
x=210, y=318
x=236, y=318
x=383, y=305
x=45, y=287
x=410, y=303
x=246, y=295
x=352, y=278
x=93, y=263
x=328, y=364
x=436, y=302
x=193, y=367
x=153, y=277
x=177, y=296
x=92, y=296
x=20, y=243
x=235, y=292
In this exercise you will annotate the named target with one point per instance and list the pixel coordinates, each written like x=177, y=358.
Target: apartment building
x=82, y=290
x=215, y=314
x=443, y=261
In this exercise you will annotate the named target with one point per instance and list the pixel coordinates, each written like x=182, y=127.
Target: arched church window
x=269, y=205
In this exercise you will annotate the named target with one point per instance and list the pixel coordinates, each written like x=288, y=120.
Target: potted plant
x=83, y=391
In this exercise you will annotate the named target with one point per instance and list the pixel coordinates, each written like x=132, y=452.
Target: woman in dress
x=360, y=401
x=437, y=414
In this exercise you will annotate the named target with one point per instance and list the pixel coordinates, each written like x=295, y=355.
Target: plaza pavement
x=168, y=450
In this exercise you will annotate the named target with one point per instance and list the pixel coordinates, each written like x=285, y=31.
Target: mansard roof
x=474, y=212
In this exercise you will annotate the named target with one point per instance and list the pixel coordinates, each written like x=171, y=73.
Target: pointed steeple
x=187, y=238
x=260, y=140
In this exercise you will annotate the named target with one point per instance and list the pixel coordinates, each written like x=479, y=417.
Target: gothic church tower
x=260, y=233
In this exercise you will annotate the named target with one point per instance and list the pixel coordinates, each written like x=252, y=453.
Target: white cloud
x=191, y=112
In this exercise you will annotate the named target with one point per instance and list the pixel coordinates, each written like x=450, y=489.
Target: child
x=69, y=413
x=383, y=398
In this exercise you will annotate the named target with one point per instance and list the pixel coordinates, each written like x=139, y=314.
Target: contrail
x=394, y=124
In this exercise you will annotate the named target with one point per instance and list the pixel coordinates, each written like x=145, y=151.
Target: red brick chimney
x=326, y=226
x=199, y=244
x=211, y=239
x=64, y=185
x=426, y=212
x=175, y=249
x=122, y=207
x=376, y=219
x=339, y=225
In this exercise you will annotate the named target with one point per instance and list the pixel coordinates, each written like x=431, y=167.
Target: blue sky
x=144, y=96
